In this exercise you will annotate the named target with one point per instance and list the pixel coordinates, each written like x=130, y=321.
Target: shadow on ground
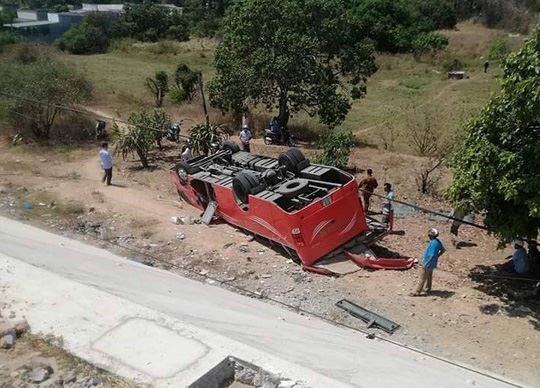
x=515, y=295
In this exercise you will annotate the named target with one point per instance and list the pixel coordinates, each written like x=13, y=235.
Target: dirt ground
x=29, y=352
x=470, y=318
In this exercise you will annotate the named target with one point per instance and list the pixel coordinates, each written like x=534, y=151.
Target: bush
x=202, y=136
x=7, y=37
x=336, y=149
x=451, y=64
x=179, y=33
x=178, y=95
x=91, y=36
x=499, y=49
x=429, y=42
x=84, y=39
x=36, y=77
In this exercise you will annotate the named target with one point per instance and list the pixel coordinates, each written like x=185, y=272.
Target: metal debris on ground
x=371, y=318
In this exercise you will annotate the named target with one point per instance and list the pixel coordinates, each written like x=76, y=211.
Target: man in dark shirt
x=368, y=186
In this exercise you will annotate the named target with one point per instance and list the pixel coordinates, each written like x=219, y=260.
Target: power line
x=78, y=111
x=425, y=210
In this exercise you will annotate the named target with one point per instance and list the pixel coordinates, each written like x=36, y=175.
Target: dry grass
x=401, y=83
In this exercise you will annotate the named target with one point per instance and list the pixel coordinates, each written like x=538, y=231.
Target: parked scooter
x=284, y=137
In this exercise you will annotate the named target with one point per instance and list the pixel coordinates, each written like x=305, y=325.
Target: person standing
x=387, y=208
x=368, y=186
x=106, y=163
x=429, y=262
x=186, y=153
x=486, y=66
x=245, y=138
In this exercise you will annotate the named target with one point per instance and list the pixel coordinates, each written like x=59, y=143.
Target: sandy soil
x=473, y=319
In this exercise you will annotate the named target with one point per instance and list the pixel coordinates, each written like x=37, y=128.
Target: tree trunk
x=143, y=158
x=283, y=115
x=203, y=98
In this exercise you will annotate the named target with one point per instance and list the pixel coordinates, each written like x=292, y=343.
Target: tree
x=436, y=14
x=158, y=86
x=497, y=168
x=42, y=85
x=160, y=122
x=187, y=80
x=499, y=49
x=91, y=36
x=140, y=136
x=426, y=139
x=147, y=22
x=292, y=55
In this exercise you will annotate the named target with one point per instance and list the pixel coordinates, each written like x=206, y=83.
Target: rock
x=180, y=236
x=230, y=279
x=250, y=238
x=93, y=381
x=412, y=314
x=39, y=374
x=7, y=341
x=7, y=328
x=243, y=249
x=176, y=220
x=43, y=160
x=204, y=272
x=70, y=378
x=21, y=327
x=266, y=276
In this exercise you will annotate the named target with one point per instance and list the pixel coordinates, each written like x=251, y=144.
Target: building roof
x=30, y=24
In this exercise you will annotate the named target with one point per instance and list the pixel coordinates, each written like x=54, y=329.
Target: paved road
x=85, y=284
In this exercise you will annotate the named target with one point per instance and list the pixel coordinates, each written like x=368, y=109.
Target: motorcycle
x=283, y=138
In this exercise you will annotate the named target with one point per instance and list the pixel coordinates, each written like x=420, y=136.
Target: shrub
x=452, y=63
x=37, y=78
x=90, y=36
x=203, y=135
x=7, y=37
x=429, y=42
x=499, y=49
x=179, y=33
x=178, y=95
x=336, y=148
x=84, y=38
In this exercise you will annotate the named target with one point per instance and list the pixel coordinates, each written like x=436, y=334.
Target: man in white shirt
x=245, y=137
x=106, y=163
x=186, y=153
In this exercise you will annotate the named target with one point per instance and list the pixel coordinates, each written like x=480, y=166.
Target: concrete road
x=158, y=327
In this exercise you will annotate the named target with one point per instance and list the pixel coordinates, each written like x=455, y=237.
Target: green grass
x=414, y=83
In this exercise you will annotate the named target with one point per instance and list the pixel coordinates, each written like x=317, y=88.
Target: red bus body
x=315, y=230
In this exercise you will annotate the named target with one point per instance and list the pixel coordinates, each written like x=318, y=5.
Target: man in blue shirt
x=519, y=263
x=429, y=262
x=106, y=163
